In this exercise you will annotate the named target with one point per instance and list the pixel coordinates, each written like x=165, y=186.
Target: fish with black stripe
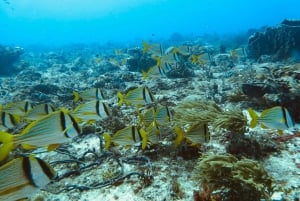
x=138, y=97
x=277, y=117
x=21, y=177
x=39, y=111
x=50, y=131
x=127, y=136
x=195, y=135
x=8, y=121
x=92, y=111
x=89, y=95
x=17, y=108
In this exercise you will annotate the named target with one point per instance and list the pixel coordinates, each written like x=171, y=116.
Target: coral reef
x=233, y=179
x=280, y=42
x=139, y=61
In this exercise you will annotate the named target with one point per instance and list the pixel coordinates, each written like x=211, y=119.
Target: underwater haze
x=59, y=22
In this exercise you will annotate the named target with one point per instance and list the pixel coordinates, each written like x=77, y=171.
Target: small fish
x=89, y=95
x=92, y=111
x=153, y=133
x=202, y=59
x=22, y=177
x=277, y=117
x=160, y=115
x=127, y=136
x=154, y=72
x=154, y=48
x=8, y=121
x=196, y=135
x=17, y=108
x=138, y=97
x=183, y=50
x=238, y=54
x=50, y=131
x=39, y=111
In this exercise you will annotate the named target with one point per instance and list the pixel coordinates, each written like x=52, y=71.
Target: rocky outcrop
x=8, y=56
x=281, y=42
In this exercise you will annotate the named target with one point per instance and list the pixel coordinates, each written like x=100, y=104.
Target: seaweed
x=195, y=113
x=233, y=179
x=231, y=120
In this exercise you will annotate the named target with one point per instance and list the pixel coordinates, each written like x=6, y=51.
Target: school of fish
x=49, y=127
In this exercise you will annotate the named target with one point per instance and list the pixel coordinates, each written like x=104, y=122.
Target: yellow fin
x=121, y=98
x=253, y=116
x=107, y=139
x=179, y=135
x=76, y=96
x=6, y=144
x=144, y=75
x=28, y=147
x=145, y=46
x=144, y=135
x=52, y=147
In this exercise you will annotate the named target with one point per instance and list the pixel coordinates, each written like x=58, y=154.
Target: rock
x=223, y=60
x=280, y=42
x=255, y=90
x=8, y=56
x=277, y=196
x=139, y=61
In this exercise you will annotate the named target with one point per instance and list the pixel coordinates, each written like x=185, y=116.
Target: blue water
x=59, y=22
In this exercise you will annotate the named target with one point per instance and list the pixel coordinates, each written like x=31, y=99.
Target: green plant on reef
x=234, y=179
x=195, y=112
x=232, y=120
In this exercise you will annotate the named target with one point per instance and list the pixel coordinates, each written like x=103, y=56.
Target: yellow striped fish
x=153, y=133
x=196, y=135
x=91, y=111
x=138, y=97
x=89, y=95
x=17, y=108
x=277, y=118
x=20, y=178
x=39, y=111
x=8, y=121
x=161, y=116
x=127, y=136
x=50, y=131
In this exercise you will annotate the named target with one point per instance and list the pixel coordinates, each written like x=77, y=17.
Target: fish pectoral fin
x=52, y=147
x=144, y=135
x=28, y=146
x=263, y=126
x=280, y=132
x=179, y=135
x=107, y=139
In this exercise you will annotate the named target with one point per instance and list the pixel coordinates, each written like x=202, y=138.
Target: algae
x=234, y=179
x=232, y=120
x=195, y=113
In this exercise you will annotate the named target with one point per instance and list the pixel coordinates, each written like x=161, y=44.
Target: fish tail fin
x=107, y=139
x=7, y=144
x=76, y=96
x=144, y=75
x=121, y=98
x=254, y=117
x=144, y=135
x=158, y=61
x=145, y=46
x=179, y=135
x=195, y=59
